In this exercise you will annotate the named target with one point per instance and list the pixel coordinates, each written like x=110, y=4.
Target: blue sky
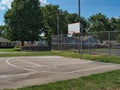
x=89, y=7
x=110, y=8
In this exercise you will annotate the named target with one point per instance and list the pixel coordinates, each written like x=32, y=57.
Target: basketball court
x=25, y=71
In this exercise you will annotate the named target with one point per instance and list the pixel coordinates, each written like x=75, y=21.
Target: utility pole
x=80, y=35
x=58, y=25
x=58, y=31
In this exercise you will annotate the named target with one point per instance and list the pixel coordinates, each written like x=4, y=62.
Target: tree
x=50, y=21
x=2, y=29
x=53, y=16
x=63, y=24
x=115, y=26
x=72, y=18
x=115, y=23
x=24, y=20
x=98, y=23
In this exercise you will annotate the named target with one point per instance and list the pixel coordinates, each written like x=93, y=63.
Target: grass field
x=101, y=58
x=103, y=81
x=9, y=49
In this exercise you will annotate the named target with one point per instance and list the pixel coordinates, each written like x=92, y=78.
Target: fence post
x=51, y=42
x=90, y=44
x=109, y=43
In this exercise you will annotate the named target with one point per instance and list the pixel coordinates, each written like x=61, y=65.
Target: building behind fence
x=107, y=43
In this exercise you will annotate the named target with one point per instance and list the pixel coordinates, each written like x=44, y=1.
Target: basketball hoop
x=74, y=28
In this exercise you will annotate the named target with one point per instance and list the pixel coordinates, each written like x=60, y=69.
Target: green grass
x=101, y=58
x=9, y=49
x=103, y=81
x=104, y=58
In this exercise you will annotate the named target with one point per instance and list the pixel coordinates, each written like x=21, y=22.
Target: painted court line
x=22, y=74
x=80, y=62
x=45, y=57
x=14, y=75
x=76, y=71
x=91, y=69
x=74, y=63
x=8, y=62
x=37, y=65
x=32, y=71
x=56, y=64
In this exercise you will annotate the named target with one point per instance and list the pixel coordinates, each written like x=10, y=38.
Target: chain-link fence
x=107, y=43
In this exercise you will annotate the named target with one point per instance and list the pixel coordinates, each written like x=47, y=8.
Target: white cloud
x=2, y=7
x=2, y=23
x=43, y=2
x=5, y=4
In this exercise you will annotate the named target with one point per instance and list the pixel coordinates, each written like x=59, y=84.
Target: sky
x=110, y=8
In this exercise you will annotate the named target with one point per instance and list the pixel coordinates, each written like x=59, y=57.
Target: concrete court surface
x=25, y=71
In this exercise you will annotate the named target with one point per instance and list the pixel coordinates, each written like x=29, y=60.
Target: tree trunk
x=22, y=42
x=32, y=42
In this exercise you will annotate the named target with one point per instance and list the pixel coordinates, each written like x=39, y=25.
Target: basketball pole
x=80, y=35
x=58, y=31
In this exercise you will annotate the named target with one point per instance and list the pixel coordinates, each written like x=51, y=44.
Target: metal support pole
x=79, y=24
x=58, y=24
x=109, y=43
x=58, y=30
x=81, y=46
x=80, y=35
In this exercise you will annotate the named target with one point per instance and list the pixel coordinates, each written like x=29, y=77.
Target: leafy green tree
x=115, y=23
x=50, y=13
x=50, y=17
x=53, y=16
x=115, y=26
x=63, y=24
x=72, y=18
x=2, y=28
x=24, y=20
x=98, y=23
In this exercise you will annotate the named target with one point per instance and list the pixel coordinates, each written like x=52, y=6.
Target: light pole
x=58, y=31
x=80, y=35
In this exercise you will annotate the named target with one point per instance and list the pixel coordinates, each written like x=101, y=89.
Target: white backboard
x=74, y=28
